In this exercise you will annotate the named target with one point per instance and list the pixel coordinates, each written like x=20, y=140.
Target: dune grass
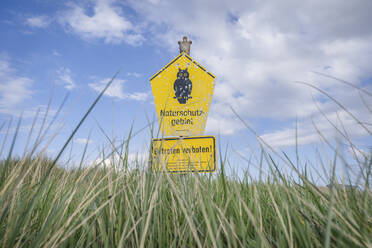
x=122, y=204
x=107, y=207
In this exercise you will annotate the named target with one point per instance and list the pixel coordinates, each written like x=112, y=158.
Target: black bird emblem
x=182, y=86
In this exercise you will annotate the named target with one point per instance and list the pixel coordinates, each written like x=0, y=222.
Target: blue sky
x=258, y=50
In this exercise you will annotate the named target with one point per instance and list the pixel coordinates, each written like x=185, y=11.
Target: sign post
x=183, y=92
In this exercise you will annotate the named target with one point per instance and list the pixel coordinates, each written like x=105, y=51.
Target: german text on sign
x=187, y=154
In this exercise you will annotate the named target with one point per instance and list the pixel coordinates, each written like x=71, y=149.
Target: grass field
x=44, y=205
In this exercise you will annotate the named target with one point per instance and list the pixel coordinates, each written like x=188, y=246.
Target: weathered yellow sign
x=183, y=92
x=189, y=154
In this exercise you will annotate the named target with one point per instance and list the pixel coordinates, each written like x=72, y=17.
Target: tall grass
x=122, y=205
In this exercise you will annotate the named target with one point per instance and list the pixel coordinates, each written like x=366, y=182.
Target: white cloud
x=312, y=131
x=56, y=53
x=107, y=22
x=116, y=90
x=258, y=49
x=222, y=124
x=135, y=160
x=358, y=154
x=5, y=69
x=41, y=21
x=15, y=93
x=14, y=89
x=138, y=96
x=83, y=141
x=139, y=157
x=134, y=74
x=65, y=78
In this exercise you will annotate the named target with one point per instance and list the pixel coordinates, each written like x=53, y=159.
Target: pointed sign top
x=182, y=91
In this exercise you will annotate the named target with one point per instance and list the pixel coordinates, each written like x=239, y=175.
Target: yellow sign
x=191, y=154
x=183, y=92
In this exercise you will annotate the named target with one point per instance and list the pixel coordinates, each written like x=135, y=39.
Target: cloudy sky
x=262, y=53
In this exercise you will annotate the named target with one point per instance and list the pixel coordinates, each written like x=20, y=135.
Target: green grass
x=44, y=205
x=107, y=207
